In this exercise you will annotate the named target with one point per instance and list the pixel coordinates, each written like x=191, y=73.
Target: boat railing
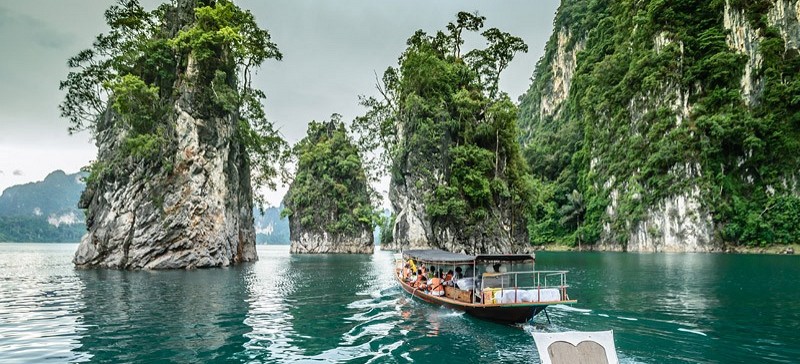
x=536, y=286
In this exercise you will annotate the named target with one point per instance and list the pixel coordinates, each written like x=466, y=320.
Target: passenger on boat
x=459, y=274
x=422, y=283
x=424, y=271
x=436, y=286
x=406, y=272
x=432, y=273
x=448, y=279
x=416, y=278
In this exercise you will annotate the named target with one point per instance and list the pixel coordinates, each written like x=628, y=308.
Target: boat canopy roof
x=441, y=256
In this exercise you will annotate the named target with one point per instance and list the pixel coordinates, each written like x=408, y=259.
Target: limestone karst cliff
x=458, y=181
x=329, y=201
x=171, y=187
x=666, y=126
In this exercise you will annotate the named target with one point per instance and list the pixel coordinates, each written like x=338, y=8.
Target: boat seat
x=458, y=294
x=576, y=347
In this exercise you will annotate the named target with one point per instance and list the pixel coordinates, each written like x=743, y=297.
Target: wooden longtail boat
x=503, y=288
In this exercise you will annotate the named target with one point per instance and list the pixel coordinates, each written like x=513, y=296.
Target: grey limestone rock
x=195, y=212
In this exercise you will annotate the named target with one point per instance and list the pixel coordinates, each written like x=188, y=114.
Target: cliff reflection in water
x=182, y=316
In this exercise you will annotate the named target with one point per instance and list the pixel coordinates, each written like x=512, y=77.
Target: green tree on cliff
x=330, y=190
x=127, y=81
x=441, y=110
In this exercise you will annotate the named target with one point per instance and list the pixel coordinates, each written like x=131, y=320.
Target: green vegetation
x=618, y=128
x=129, y=80
x=330, y=191
x=444, y=127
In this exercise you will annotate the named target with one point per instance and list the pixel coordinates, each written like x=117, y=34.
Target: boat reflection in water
x=503, y=288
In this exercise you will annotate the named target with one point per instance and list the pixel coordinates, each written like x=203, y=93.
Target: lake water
x=666, y=308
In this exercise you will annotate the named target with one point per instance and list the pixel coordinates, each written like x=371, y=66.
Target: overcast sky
x=331, y=49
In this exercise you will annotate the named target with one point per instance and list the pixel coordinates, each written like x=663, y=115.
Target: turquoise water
x=668, y=308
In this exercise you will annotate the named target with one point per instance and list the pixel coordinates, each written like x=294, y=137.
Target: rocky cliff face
x=415, y=229
x=193, y=211
x=305, y=241
x=661, y=158
x=746, y=39
x=198, y=215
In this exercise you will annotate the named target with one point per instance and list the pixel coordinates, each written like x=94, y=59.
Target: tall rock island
x=167, y=96
x=458, y=179
x=329, y=201
x=666, y=126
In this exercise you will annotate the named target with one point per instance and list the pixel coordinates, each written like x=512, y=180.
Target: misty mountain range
x=47, y=211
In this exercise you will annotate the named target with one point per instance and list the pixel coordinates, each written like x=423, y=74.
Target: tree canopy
x=330, y=190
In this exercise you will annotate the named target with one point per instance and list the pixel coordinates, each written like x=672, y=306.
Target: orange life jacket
x=436, y=284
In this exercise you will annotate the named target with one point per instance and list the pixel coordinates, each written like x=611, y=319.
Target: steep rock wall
x=562, y=70
x=196, y=214
x=641, y=134
x=414, y=229
x=321, y=242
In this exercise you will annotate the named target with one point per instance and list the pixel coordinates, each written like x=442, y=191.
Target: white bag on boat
x=532, y=295
x=466, y=283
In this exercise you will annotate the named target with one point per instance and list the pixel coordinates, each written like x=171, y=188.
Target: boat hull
x=507, y=313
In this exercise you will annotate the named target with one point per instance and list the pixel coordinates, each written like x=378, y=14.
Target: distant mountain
x=270, y=227
x=44, y=211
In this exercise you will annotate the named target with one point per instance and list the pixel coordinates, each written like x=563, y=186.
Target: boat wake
x=692, y=331
x=570, y=308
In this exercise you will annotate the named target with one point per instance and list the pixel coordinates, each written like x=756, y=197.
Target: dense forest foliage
x=444, y=125
x=330, y=191
x=127, y=83
x=620, y=129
